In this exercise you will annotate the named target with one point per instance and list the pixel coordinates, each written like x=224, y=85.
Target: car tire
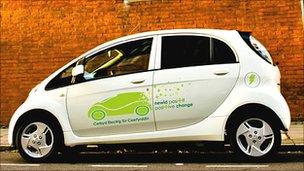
x=38, y=140
x=254, y=137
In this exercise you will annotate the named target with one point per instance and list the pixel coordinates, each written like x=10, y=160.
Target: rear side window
x=221, y=53
x=183, y=51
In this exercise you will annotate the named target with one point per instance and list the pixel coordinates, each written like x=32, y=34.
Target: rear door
x=196, y=73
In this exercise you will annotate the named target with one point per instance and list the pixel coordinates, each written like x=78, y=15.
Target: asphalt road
x=10, y=160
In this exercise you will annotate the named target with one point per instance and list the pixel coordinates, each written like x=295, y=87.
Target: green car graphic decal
x=121, y=104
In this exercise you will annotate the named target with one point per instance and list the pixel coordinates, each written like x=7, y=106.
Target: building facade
x=38, y=37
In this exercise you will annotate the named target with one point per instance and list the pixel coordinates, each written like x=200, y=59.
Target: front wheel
x=255, y=137
x=37, y=141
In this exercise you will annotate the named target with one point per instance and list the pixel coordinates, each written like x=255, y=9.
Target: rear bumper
x=286, y=123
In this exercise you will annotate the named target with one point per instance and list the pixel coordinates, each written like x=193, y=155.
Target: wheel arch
x=261, y=110
x=41, y=114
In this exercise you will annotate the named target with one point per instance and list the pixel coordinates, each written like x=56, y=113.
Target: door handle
x=221, y=72
x=138, y=81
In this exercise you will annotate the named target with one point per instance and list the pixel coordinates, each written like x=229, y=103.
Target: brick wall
x=37, y=37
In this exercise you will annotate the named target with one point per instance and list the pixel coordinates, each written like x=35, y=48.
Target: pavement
x=295, y=133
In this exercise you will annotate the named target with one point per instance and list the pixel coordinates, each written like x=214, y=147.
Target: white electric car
x=159, y=86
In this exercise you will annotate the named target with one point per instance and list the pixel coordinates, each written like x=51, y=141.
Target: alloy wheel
x=255, y=137
x=37, y=139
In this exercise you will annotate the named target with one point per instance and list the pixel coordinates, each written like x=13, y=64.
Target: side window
x=183, y=51
x=222, y=53
x=125, y=58
x=62, y=79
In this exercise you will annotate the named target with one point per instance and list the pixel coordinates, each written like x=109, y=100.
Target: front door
x=114, y=95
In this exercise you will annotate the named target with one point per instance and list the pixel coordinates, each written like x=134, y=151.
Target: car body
x=197, y=85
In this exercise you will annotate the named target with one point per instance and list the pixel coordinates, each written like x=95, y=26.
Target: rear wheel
x=37, y=140
x=255, y=137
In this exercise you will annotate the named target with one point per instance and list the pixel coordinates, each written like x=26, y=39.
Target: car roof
x=174, y=31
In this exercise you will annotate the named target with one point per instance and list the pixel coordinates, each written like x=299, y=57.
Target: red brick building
x=38, y=37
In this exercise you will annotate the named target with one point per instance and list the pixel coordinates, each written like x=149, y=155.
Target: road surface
x=10, y=160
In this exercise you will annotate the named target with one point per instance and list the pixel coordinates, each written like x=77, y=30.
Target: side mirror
x=77, y=70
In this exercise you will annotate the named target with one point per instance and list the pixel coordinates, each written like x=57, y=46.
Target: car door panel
x=185, y=96
x=81, y=98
